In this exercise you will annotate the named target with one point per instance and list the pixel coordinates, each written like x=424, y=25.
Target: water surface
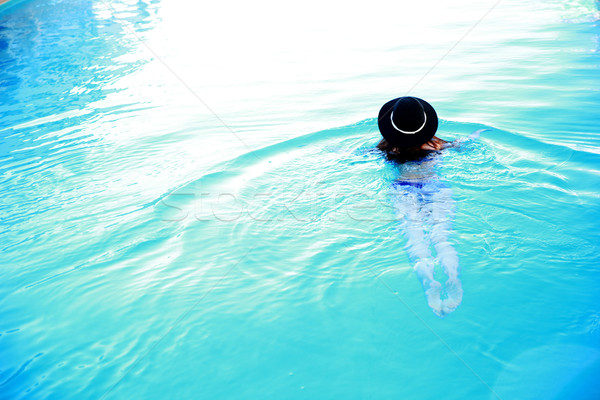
x=191, y=205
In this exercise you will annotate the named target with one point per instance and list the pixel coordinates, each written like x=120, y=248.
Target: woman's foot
x=455, y=292
x=434, y=297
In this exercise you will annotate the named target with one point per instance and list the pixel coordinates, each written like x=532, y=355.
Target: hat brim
x=399, y=139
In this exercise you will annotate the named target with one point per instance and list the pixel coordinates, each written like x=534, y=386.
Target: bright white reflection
x=275, y=70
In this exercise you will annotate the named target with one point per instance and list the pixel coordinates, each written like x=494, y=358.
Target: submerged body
x=424, y=205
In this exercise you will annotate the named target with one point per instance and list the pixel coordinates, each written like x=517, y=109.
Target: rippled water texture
x=191, y=206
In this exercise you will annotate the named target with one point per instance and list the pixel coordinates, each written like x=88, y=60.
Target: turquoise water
x=191, y=206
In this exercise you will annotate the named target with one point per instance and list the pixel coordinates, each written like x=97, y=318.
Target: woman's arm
x=439, y=144
x=436, y=144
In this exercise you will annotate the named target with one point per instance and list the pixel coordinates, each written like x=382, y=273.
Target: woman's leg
x=442, y=214
x=410, y=211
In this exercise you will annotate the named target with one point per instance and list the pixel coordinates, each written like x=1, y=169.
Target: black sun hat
x=407, y=121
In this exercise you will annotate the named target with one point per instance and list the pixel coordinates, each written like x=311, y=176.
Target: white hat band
x=409, y=132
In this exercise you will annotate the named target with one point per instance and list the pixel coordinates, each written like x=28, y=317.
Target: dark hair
x=401, y=154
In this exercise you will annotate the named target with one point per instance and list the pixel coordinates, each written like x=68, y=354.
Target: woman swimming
x=422, y=202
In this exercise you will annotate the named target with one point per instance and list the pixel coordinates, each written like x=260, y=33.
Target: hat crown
x=407, y=121
x=408, y=114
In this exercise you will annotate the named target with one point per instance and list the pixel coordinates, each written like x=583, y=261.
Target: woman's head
x=407, y=122
x=408, y=126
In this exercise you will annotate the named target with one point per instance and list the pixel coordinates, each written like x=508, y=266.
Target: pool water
x=191, y=205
